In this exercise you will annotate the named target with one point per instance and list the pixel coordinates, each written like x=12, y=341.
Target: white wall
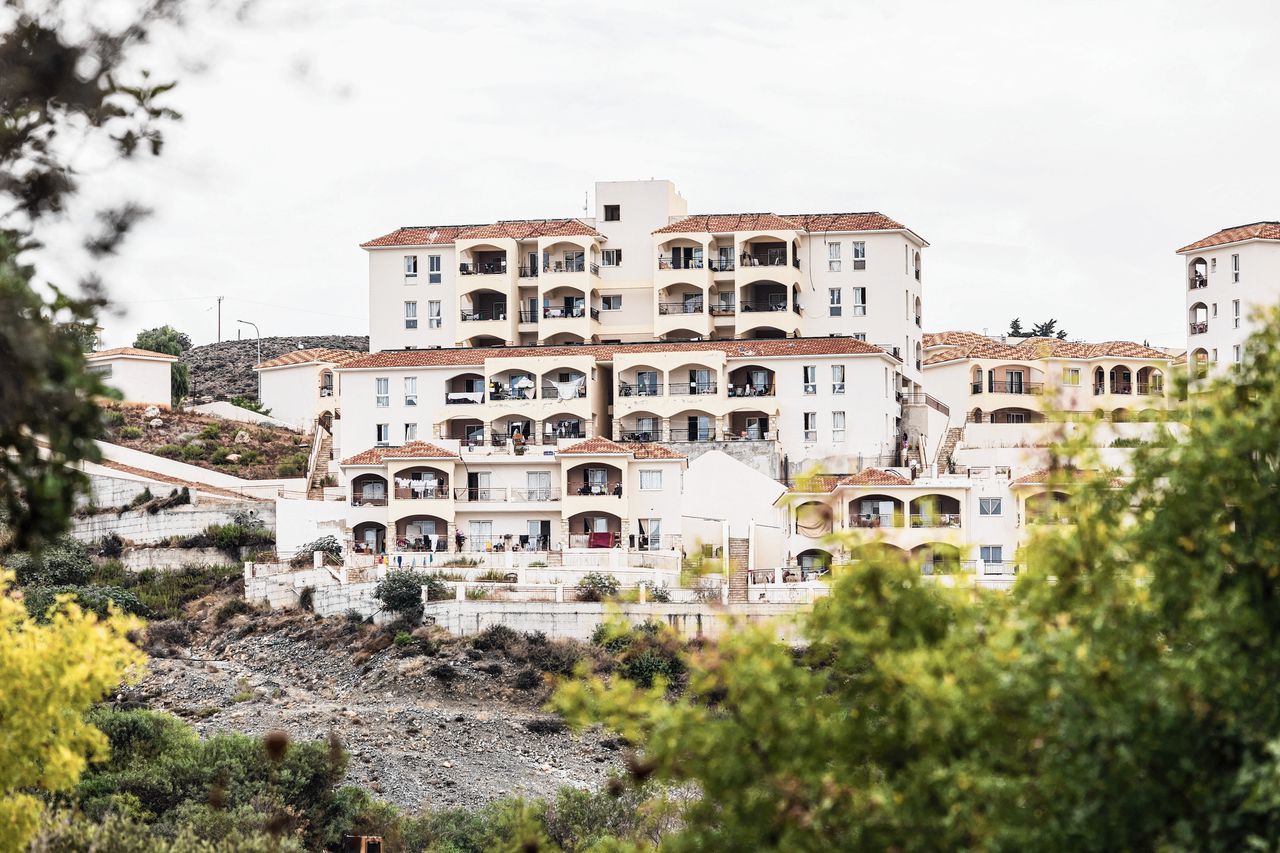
x=717, y=486
x=869, y=402
x=302, y=521
x=1259, y=286
x=292, y=393
x=227, y=412
x=139, y=380
x=389, y=289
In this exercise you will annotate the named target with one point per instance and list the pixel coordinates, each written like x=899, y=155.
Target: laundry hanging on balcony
x=569, y=390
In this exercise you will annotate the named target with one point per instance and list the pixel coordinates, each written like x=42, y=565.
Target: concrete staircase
x=739, y=559
x=315, y=487
x=954, y=436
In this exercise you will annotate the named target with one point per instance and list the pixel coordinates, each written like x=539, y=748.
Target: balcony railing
x=1197, y=281
x=681, y=307
x=680, y=388
x=511, y=392
x=676, y=262
x=1121, y=388
x=941, y=519
x=750, y=390
x=708, y=434
x=528, y=316
x=642, y=389
x=597, y=490
x=457, y=398
x=1048, y=518
x=1199, y=328
x=326, y=391
x=643, y=435
x=766, y=261
x=551, y=391
x=764, y=305
x=483, y=268
x=566, y=266
x=1007, y=387
x=1146, y=389
x=723, y=265
x=723, y=309
x=473, y=494
x=361, y=500
x=869, y=520
x=528, y=272
x=535, y=495
x=425, y=493
x=562, y=313
x=495, y=313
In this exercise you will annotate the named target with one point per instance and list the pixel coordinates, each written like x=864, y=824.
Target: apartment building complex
x=1229, y=275
x=642, y=269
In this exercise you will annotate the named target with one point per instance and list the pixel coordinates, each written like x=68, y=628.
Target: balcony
x=529, y=316
x=483, y=314
x=684, y=388
x=424, y=493
x=723, y=265
x=638, y=389
x=670, y=308
x=551, y=391
x=462, y=398
x=528, y=272
x=723, y=309
x=1146, y=389
x=599, y=489
x=678, y=262
x=1006, y=387
x=1197, y=281
x=483, y=267
x=943, y=519
x=751, y=390
x=535, y=495
x=707, y=434
x=1199, y=328
x=762, y=306
x=872, y=521
x=577, y=312
x=363, y=500
x=479, y=494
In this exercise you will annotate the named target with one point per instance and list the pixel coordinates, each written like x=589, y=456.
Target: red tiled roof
x=875, y=477
x=412, y=450
x=528, y=229
x=599, y=444
x=724, y=223
x=654, y=451
x=1253, y=231
x=418, y=235
x=973, y=345
x=132, y=352
x=1043, y=476
x=308, y=356
x=773, y=347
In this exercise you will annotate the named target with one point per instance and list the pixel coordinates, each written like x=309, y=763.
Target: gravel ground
x=415, y=740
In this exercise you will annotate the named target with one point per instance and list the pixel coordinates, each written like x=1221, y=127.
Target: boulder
x=156, y=422
x=242, y=437
x=151, y=411
x=233, y=457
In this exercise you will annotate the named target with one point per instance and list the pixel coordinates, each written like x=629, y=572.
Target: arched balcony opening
x=421, y=483
x=482, y=260
x=975, y=417
x=680, y=253
x=1197, y=274
x=683, y=335
x=566, y=303
x=765, y=333
x=813, y=561
x=1099, y=381
x=813, y=519
x=935, y=511
x=795, y=298
x=1048, y=508
x=422, y=533
x=750, y=425
x=917, y=265
x=464, y=389
x=516, y=429
x=1198, y=318
x=567, y=257
x=692, y=378
x=937, y=558
x=872, y=511
x=919, y=315
x=680, y=299
x=567, y=339
x=763, y=252
x=1199, y=361
x=1016, y=416
x=693, y=425
x=1121, y=380
x=1120, y=415
x=640, y=426
x=326, y=383
x=564, y=425
x=369, y=490
x=642, y=380
x=483, y=304
x=752, y=380
x=469, y=431
x=880, y=552
x=723, y=299
x=595, y=529
x=1150, y=382
x=919, y=356
x=513, y=385
x=763, y=297
x=369, y=537
x=483, y=342
x=975, y=380
x=594, y=479
x=563, y=383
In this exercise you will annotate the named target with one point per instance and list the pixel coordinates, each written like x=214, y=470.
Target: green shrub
x=292, y=466
x=400, y=591
x=558, y=657
x=220, y=454
x=444, y=672
x=166, y=593
x=477, y=593
x=111, y=546
x=168, y=451
x=327, y=544
x=130, y=433
x=65, y=562
x=211, y=432
x=193, y=451
x=232, y=608
x=97, y=599
x=307, y=599
x=250, y=404
x=112, y=417
x=597, y=586
x=527, y=679
x=495, y=575
x=498, y=638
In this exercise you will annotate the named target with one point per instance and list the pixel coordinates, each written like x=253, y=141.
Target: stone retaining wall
x=171, y=559
x=141, y=528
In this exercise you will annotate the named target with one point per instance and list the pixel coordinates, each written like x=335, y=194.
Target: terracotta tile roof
x=814, y=484
x=724, y=223
x=308, y=356
x=1253, y=231
x=412, y=450
x=654, y=451
x=131, y=352
x=1043, y=476
x=875, y=477
x=418, y=235
x=528, y=229
x=973, y=345
x=599, y=444
x=605, y=352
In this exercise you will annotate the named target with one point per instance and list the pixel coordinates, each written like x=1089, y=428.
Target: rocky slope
x=435, y=723
x=225, y=370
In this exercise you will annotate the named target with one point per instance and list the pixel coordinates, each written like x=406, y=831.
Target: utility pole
x=219, y=319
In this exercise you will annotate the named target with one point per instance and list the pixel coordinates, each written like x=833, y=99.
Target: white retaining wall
x=143, y=529
x=282, y=589
x=169, y=559
x=196, y=474
x=227, y=412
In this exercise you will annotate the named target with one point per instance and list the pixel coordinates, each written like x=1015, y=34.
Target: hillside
x=219, y=371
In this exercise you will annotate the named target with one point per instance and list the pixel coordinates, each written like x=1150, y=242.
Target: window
x=859, y=336
x=433, y=269
x=411, y=390
x=612, y=212
x=411, y=315
x=1214, y=307
x=383, y=433
x=990, y=506
x=650, y=481
x=612, y=257
x=1213, y=265
x=991, y=553
x=1235, y=353
x=1235, y=312
x=382, y=391
x=833, y=258
x=837, y=427
x=410, y=266
x=434, y=319
x=1214, y=359
x=1235, y=269
x=859, y=302
x=102, y=371
x=611, y=303
x=837, y=379
x=810, y=379
x=859, y=255
x=410, y=433
x=810, y=426
x=650, y=534
x=1071, y=376
x=836, y=308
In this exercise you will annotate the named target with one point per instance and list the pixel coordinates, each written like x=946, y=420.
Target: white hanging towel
x=569, y=390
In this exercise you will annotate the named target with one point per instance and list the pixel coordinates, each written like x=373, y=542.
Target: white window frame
x=859, y=299
x=834, y=306
x=410, y=433
x=434, y=265
x=611, y=258
x=809, y=426
x=382, y=392
x=837, y=427
x=605, y=307
x=382, y=434
x=411, y=390
x=985, y=506
x=411, y=268
x=650, y=479
x=1235, y=312
x=809, y=378
x=1235, y=269
x=986, y=552
x=859, y=255
x=833, y=258
x=837, y=379
x=435, y=314
x=1071, y=377
x=410, y=314
x=1236, y=353
x=859, y=336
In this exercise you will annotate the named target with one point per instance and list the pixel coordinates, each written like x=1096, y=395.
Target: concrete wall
x=141, y=528
x=300, y=521
x=227, y=412
x=170, y=559
x=196, y=474
x=140, y=380
x=720, y=486
x=330, y=599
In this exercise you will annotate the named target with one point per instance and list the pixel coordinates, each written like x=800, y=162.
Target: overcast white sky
x=1054, y=154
